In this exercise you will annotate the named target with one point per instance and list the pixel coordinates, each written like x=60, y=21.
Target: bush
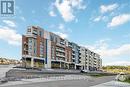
x=127, y=79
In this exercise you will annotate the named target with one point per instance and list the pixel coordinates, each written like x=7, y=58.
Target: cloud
x=115, y=52
x=119, y=20
x=23, y=18
x=109, y=53
x=100, y=18
x=61, y=27
x=99, y=45
x=61, y=30
x=97, y=19
x=107, y=8
x=103, y=49
x=10, y=36
x=66, y=8
x=119, y=63
x=78, y=4
x=9, y=23
x=63, y=35
x=51, y=13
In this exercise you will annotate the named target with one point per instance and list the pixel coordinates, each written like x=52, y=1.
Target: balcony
x=60, y=55
x=95, y=61
x=73, y=49
x=62, y=43
x=31, y=35
x=59, y=50
x=73, y=58
x=25, y=49
x=34, y=32
x=25, y=43
x=73, y=53
x=59, y=45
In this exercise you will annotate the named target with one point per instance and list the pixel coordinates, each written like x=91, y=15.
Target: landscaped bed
x=99, y=74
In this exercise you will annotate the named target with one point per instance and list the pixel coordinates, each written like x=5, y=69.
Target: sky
x=100, y=25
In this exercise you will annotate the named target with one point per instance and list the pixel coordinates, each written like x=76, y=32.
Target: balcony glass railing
x=60, y=55
x=59, y=45
x=60, y=50
x=25, y=49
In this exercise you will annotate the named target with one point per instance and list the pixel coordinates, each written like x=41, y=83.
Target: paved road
x=68, y=83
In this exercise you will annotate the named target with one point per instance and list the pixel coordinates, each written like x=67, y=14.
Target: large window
x=30, y=46
x=35, y=47
x=41, y=49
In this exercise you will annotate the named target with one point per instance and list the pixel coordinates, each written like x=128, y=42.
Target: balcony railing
x=25, y=49
x=59, y=55
x=60, y=50
x=58, y=44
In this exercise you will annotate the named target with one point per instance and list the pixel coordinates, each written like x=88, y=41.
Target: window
x=52, y=38
x=29, y=30
x=56, y=40
x=40, y=33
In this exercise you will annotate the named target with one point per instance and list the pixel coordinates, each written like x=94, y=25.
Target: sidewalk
x=113, y=84
x=58, y=78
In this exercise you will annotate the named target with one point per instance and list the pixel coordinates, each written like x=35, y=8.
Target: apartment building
x=89, y=60
x=43, y=49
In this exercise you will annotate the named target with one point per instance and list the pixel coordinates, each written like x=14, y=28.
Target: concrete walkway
x=113, y=84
